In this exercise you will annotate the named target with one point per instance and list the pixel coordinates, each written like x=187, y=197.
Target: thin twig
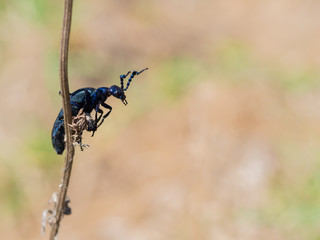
x=64, y=85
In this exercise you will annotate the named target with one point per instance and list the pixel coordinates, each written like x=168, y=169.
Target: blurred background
x=220, y=139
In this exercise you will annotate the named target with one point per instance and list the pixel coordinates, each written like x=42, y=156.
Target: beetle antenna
x=122, y=77
x=134, y=73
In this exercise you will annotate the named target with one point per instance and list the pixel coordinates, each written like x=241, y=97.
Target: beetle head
x=117, y=92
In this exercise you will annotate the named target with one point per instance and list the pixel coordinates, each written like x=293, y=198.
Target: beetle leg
x=93, y=125
x=96, y=115
x=107, y=114
x=101, y=113
x=96, y=122
x=96, y=119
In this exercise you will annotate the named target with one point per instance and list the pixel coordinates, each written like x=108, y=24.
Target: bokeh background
x=220, y=139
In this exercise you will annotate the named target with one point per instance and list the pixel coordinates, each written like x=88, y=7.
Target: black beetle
x=89, y=99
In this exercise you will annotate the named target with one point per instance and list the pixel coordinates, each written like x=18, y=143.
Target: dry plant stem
x=64, y=85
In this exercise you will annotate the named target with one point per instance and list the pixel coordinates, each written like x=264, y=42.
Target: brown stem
x=64, y=85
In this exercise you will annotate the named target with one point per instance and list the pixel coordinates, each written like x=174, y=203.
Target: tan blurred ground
x=220, y=137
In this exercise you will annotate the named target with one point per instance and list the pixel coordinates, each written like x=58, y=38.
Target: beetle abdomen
x=57, y=134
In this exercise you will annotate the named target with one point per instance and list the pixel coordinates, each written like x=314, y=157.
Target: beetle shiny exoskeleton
x=90, y=99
